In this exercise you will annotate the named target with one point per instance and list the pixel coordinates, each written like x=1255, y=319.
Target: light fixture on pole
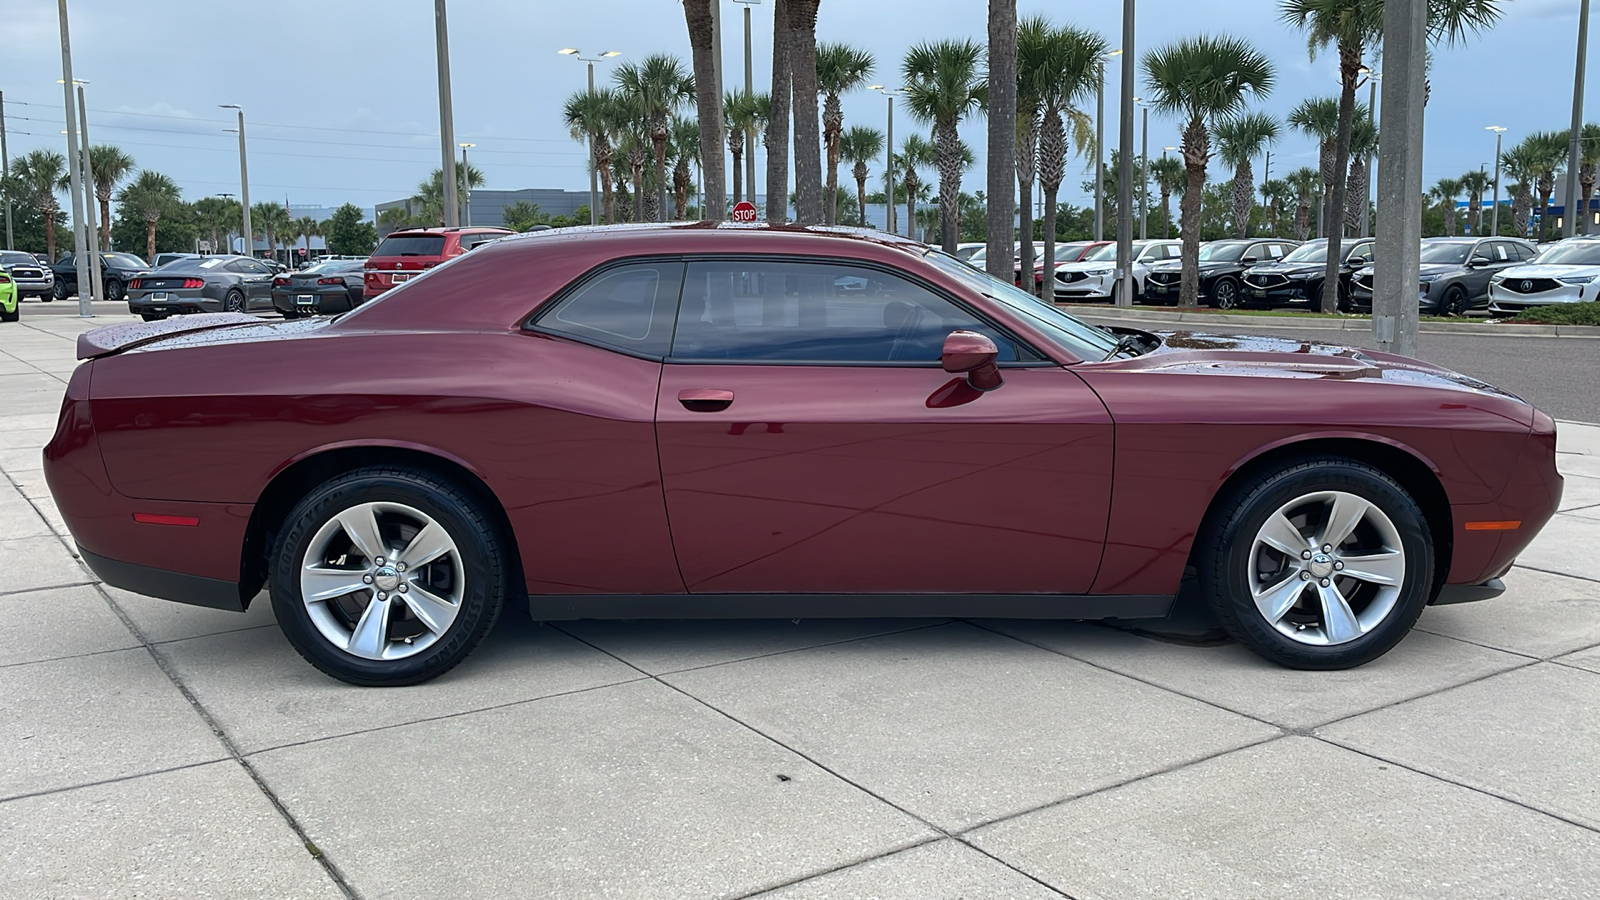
x=466, y=183
x=888, y=157
x=248, y=234
x=594, y=176
x=1494, y=216
x=749, y=88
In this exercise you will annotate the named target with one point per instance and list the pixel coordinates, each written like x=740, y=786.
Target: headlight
x=1497, y=278
x=1300, y=276
x=1575, y=279
x=1097, y=272
x=1427, y=278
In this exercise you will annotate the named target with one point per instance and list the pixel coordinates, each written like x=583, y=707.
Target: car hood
x=1085, y=266
x=1283, y=268
x=1439, y=269
x=1271, y=357
x=1557, y=271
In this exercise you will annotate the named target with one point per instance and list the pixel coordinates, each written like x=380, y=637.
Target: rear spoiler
x=116, y=338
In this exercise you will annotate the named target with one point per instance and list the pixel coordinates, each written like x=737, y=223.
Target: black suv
x=1455, y=273
x=116, y=268
x=1222, y=264
x=1298, y=277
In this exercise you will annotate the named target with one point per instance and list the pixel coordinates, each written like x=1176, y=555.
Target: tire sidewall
x=233, y=301
x=475, y=538
x=1225, y=566
x=1217, y=294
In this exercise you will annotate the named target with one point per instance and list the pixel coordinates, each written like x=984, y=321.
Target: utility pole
x=1125, y=162
x=750, y=89
x=1144, y=168
x=5, y=167
x=1099, y=151
x=96, y=285
x=1372, y=111
x=466, y=186
x=74, y=163
x=1575, y=138
x=594, y=174
x=888, y=159
x=1494, y=214
x=244, y=184
x=1399, y=244
x=716, y=74
x=447, y=130
x=1266, y=176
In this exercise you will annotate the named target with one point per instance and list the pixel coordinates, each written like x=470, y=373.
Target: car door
x=1486, y=258
x=811, y=443
x=256, y=279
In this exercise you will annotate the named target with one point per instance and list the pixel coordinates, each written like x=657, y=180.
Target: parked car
x=404, y=255
x=203, y=284
x=1298, y=278
x=116, y=270
x=762, y=437
x=30, y=278
x=327, y=287
x=1066, y=252
x=1095, y=277
x=162, y=259
x=1455, y=273
x=1564, y=273
x=10, y=301
x=1222, y=265
x=965, y=249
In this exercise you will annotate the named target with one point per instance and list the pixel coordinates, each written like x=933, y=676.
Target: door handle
x=705, y=399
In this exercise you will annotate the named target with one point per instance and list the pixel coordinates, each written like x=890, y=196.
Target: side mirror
x=1249, y=260
x=974, y=354
x=1479, y=262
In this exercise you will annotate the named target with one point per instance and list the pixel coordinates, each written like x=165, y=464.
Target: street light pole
x=74, y=163
x=1575, y=137
x=1144, y=168
x=750, y=89
x=1125, y=162
x=96, y=285
x=466, y=187
x=1099, y=151
x=1372, y=112
x=1494, y=214
x=244, y=184
x=594, y=174
x=5, y=166
x=888, y=159
x=447, y=129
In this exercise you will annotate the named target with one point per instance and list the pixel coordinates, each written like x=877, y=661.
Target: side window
x=472, y=242
x=1523, y=253
x=238, y=266
x=1361, y=255
x=255, y=268
x=777, y=311
x=627, y=308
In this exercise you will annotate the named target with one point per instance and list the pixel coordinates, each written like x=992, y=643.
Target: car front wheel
x=1226, y=293
x=387, y=576
x=1323, y=563
x=234, y=302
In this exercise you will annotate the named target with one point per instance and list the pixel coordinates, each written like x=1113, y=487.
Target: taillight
x=134, y=284
x=194, y=282
x=5, y=279
x=330, y=281
x=280, y=281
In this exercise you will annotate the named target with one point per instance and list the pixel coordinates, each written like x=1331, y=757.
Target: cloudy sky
x=341, y=96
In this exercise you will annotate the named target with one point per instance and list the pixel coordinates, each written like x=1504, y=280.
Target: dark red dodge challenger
x=747, y=421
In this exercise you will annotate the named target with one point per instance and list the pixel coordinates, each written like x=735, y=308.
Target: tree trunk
x=1447, y=212
x=1302, y=218
x=680, y=189
x=1196, y=153
x=1586, y=178
x=1027, y=152
x=1244, y=198
x=949, y=147
x=105, y=219
x=1356, y=194
x=1325, y=165
x=1546, y=188
x=708, y=107
x=807, y=138
x=777, y=139
x=860, y=173
x=1166, y=212
x=659, y=145
x=49, y=233
x=1001, y=189
x=603, y=164
x=1052, y=168
x=1350, y=53
x=832, y=126
x=736, y=150
x=150, y=241
x=912, y=183
x=636, y=164
x=1474, y=209
x=1521, y=208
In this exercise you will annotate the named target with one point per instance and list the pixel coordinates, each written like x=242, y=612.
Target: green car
x=10, y=304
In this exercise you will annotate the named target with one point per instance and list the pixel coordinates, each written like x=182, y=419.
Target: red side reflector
x=157, y=519
x=1511, y=525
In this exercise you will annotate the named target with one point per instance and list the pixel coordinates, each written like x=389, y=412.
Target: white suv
x=1566, y=272
x=1094, y=278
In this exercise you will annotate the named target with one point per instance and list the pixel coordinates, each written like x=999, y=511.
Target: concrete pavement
x=151, y=749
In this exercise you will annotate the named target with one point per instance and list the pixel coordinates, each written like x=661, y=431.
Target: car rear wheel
x=114, y=289
x=1323, y=563
x=14, y=314
x=387, y=576
x=1226, y=294
x=1454, y=302
x=234, y=302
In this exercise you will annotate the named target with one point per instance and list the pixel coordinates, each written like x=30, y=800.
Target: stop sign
x=744, y=211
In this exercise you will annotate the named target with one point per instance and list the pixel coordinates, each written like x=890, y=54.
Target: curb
x=1361, y=324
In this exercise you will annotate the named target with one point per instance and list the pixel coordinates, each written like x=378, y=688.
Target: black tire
x=14, y=315
x=289, y=313
x=114, y=289
x=1224, y=554
x=1454, y=301
x=151, y=317
x=1340, y=303
x=482, y=556
x=233, y=302
x=1225, y=293
x=58, y=291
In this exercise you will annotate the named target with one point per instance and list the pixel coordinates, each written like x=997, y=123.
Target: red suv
x=406, y=254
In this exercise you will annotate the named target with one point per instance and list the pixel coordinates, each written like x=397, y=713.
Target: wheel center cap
x=385, y=578
x=1320, y=566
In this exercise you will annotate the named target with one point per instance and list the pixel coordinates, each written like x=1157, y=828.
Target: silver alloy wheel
x=382, y=581
x=1326, y=568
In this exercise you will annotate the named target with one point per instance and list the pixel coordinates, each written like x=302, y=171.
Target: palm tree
x=392, y=218
x=1305, y=182
x=686, y=151
x=150, y=196
x=1445, y=191
x=1034, y=37
x=1001, y=186
x=429, y=198
x=944, y=82
x=1238, y=141
x=1170, y=179
x=592, y=116
x=802, y=46
x=658, y=87
x=1545, y=154
x=841, y=68
x=1363, y=144
x=1588, y=159
x=741, y=114
x=1074, y=58
x=916, y=153
x=1519, y=166
x=272, y=219
x=36, y=178
x=1207, y=80
x=776, y=138
x=860, y=146
x=110, y=164
x=1475, y=182
x=1318, y=118
x=217, y=216
x=307, y=228
x=708, y=124
x=1276, y=195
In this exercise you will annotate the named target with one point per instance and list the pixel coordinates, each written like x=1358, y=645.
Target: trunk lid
x=117, y=338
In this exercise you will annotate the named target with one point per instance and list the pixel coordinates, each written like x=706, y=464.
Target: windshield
x=1572, y=253
x=124, y=260
x=1445, y=252
x=17, y=258
x=1106, y=253
x=1078, y=338
x=1222, y=251
x=1314, y=252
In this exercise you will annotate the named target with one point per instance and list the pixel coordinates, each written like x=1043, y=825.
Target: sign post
x=744, y=211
